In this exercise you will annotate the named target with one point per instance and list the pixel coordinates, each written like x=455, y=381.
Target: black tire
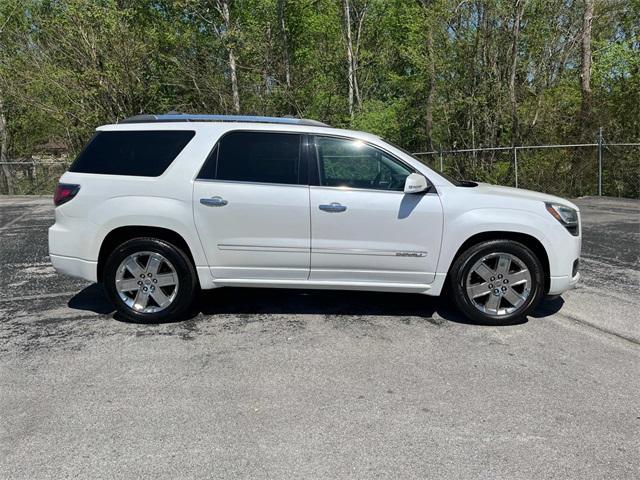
x=463, y=265
x=186, y=289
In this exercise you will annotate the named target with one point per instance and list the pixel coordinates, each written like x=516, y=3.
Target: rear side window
x=138, y=153
x=261, y=157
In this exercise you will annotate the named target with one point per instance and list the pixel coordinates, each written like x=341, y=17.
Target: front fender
x=460, y=228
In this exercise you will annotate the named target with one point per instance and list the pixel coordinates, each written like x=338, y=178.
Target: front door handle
x=332, y=207
x=213, y=202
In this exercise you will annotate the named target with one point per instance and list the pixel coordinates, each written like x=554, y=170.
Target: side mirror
x=415, y=183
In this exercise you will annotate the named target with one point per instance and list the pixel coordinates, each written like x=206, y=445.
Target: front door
x=364, y=228
x=251, y=207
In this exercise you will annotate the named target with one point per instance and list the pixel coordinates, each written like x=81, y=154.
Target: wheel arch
x=119, y=235
x=527, y=240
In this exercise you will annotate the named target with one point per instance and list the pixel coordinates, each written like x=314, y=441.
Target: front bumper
x=558, y=285
x=565, y=269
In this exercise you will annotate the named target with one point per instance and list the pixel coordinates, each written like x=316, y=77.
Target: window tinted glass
x=352, y=163
x=259, y=157
x=208, y=170
x=141, y=153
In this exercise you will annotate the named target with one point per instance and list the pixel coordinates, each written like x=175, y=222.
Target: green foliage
x=380, y=118
x=430, y=73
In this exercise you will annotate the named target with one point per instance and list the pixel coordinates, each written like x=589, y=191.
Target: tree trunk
x=267, y=65
x=351, y=72
x=356, y=55
x=431, y=89
x=4, y=140
x=285, y=43
x=518, y=13
x=223, y=6
x=585, y=74
x=234, y=82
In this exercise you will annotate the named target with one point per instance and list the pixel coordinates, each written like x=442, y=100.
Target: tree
x=285, y=41
x=356, y=17
x=215, y=15
x=585, y=70
x=4, y=145
x=226, y=30
x=518, y=8
x=423, y=73
x=8, y=16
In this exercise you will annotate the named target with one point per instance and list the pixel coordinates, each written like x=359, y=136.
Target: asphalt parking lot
x=298, y=384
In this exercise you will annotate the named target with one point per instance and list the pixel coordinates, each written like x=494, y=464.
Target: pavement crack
x=597, y=327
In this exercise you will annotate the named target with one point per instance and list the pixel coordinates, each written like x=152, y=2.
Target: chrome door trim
x=354, y=189
x=367, y=251
x=262, y=248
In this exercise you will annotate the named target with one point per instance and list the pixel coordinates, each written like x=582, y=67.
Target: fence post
x=441, y=167
x=600, y=162
x=515, y=163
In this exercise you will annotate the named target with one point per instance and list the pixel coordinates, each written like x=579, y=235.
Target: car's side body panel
x=469, y=212
x=261, y=232
x=107, y=202
x=381, y=236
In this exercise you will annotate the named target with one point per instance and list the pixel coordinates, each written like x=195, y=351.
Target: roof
x=188, y=117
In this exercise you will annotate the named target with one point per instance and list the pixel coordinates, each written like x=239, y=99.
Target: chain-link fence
x=611, y=169
x=575, y=170
x=30, y=177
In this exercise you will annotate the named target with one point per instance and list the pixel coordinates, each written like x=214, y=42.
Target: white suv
x=159, y=206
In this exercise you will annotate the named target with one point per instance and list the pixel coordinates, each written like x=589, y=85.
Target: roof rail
x=188, y=117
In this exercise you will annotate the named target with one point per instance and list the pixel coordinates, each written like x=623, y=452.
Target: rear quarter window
x=135, y=153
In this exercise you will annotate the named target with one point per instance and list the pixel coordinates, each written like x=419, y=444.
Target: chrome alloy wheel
x=498, y=284
x=147, y=282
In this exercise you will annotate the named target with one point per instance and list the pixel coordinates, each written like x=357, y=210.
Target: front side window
x=354, y=164
x=261, y=157
x=145, y=153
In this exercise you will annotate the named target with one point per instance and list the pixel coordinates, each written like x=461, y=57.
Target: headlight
x=566, y=216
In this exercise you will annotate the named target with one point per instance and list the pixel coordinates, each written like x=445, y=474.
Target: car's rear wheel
x=497, y=282
x=150, y=280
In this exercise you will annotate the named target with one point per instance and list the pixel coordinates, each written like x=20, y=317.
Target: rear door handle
x=332, y=207
x=213, y=202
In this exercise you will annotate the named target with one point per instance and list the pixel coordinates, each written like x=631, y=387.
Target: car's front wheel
x=497, y=282
x=150, y=280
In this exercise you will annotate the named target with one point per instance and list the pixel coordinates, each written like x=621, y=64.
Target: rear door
x=251, y=207
x=364, y=227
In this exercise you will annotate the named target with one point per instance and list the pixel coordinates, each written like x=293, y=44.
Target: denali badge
x=411, y=254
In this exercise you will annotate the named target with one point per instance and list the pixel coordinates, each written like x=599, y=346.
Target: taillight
x=64, y=193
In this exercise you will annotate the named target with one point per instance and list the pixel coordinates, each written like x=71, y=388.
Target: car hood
x=519, y=193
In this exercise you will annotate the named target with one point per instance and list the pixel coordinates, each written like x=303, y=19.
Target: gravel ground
x=304, y=384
